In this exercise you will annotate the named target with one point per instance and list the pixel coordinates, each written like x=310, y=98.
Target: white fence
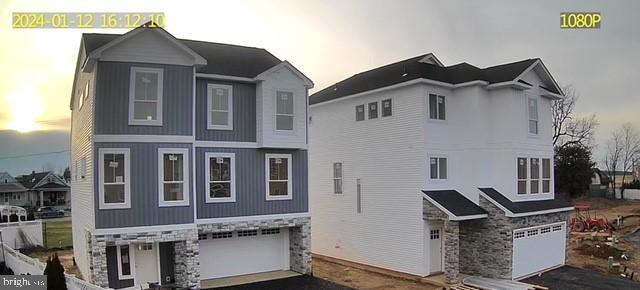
x=22, y=264
x=20, y=235
x=629, y=193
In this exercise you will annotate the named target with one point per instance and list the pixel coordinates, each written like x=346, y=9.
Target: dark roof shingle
x=455, y=202
x=520, y=207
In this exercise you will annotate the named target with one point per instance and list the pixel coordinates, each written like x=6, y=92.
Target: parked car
x=46, y=212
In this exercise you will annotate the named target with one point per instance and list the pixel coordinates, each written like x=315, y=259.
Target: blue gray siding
x=244, y=113
x=144, y=209
x=112, y=270
x=250, y=185
x=112, y=100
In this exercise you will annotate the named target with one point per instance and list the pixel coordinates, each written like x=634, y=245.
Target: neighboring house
x=616, y=176
x=46, y=189
x=189, y=160
x=599, y=183
x=11, y=191
x=423, y=168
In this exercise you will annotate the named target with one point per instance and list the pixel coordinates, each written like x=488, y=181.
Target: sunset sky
x=329, y=41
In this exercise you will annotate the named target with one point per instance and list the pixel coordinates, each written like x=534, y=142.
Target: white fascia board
x=252, y=218
x=546, y=71
x=144, y=138
x=225, y=77
x=509, y=213
x=511, y=84
x=225, y=144
x=551, y=95
x=285, y=64
x=131, y=230
x=453, y=217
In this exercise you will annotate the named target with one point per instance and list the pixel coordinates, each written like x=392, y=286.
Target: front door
x=435, y=249
x=146, y=256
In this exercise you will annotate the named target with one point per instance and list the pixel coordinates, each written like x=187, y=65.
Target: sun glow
x=25, y=108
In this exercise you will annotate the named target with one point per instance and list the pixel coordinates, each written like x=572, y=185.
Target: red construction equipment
x=585, y=220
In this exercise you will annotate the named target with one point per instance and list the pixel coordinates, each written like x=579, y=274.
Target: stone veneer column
x=300, y=248
x=98, y=260
x=187, y=261
x=451, y=251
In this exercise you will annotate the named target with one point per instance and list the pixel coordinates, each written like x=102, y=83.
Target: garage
x=227, y=254
x=538, y=248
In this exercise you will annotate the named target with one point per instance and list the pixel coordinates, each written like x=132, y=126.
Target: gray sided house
x=189, y=161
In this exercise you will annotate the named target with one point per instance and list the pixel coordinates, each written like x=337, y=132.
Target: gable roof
x=33, y=180
x=524, y=208
x=413, y=68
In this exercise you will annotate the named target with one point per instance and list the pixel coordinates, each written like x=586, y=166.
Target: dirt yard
x=65, y=256
x=361, y=279
x=590, y=251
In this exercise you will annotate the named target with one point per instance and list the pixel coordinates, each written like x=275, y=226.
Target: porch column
x=41, y=198
x=451, y=251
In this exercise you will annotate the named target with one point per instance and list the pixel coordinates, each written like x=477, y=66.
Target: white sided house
x=422, y=168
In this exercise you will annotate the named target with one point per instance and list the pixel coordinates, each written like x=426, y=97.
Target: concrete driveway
x=293, y=283
x=571, y=278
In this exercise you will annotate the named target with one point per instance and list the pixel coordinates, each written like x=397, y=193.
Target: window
x=247, y=233
x=360, y=113
x=124, y=262
x=145, y=96
x=220, y=177
x=173, y=176
x=545, y=230
x=522, y=175
x=546, y=175
x=222, y=235
x=434, y=234
x=535, y=175
x=557, y=228
x=278, y=168
x=436, y=107
x=83, y=167
x=80, y=99
x=284, y=111
x=219, y=107
x=202, y=237
x=85, y=93
x=270, y=231
x=438, y=168
x=532, y=232
x=519, y=235
x=533, y=116
x=337, y=177
x=373, y=110
x=145, y=247
x=386, y=108
x=358, y=196
x=114, y=178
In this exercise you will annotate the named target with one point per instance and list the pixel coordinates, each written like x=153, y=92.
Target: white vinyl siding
x=114, y=183
x=278, y=169
x=284, y=111
x=219, y=107
x=220, y=177
x=145, y=96
x=173, y=177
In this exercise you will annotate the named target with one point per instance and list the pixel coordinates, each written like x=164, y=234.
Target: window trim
x=341, y=178
x=275, y=111
x=132, y=90
x=369, y=110
x=528, y=178
x=127, y=178
x=438, y=157
x=289, y=175
x=537, y=119
x=364, y=113
x=207, y=174
x=185, y=175
x=444, y=100
x=229, y=125
x=131, y=260
x=382, y=115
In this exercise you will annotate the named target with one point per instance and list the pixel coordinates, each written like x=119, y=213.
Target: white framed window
x=533, y=175
x=373, y=110
x=522, y=175
x=533, y=115
x=360, y=113
x=173, y=176
x=546, y=175
x=337, y=177
x=284, y=111
x=125, y=261
x=114, y=182
x=437, y=107
x=386, y=108
x=437, y=168
x=219, y=107
x=278, y=169
x=83, y=167
x=220, y=177
x=145, y=96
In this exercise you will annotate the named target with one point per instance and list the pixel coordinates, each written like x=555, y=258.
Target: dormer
x=281, y=100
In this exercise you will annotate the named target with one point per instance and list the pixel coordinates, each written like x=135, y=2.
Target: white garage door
x=538, y=248
x=243, y=252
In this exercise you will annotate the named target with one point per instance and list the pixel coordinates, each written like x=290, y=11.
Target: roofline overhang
x=550, y=95
x=308, y=83
x=511, y=214
x=539, y=62
x=450, y=215
x=510, y=84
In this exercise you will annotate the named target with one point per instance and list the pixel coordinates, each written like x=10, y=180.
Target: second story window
x=360, y=113
x=533, y=115
x=337, y=177
x=278, y=168
x=534, y=175
x=284, y=111
x=386, y=108
x=220, y=177
x=546, y=175
x=145, y=96
x=437, y=168
x=219, y=107
x=173, y=176
x=373, y=110
x=437, y=107
x=522, y=175
x=114, y=184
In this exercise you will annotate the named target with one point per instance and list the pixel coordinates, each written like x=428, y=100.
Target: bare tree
x=630, y=150
x=567, y=129
x=612, y=157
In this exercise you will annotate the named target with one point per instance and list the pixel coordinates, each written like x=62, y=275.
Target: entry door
x=435, y=246
x=146, y=256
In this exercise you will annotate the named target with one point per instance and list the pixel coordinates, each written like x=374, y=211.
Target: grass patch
x=57, y=234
